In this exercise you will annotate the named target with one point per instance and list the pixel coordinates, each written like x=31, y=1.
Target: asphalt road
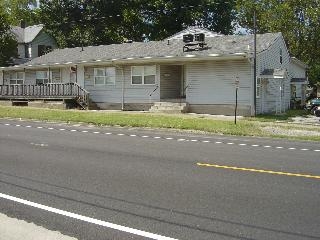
x=161, y=183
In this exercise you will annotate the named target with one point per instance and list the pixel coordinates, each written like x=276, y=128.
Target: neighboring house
x=299, y=82
x=135, y=76
x=33, y=42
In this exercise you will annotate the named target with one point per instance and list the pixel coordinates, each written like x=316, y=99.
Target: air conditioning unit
x=199, y=37
x=187, y=38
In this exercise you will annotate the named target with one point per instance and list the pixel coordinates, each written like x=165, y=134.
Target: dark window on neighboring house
x=43, y=49
x=26, y=51
x=280, y=56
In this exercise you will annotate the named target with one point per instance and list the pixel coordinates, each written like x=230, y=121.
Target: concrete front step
x=169, y=104
x=169, y=107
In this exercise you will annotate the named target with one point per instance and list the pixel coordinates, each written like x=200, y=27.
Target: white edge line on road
x=86, y=219
x=170, y=138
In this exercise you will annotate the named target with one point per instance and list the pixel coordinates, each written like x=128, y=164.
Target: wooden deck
x=52, y=91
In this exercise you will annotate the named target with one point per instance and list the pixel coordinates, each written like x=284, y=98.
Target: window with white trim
x=143, y=75
x=42, y=77
x=258, y=88
x=105, y=76
x=16, y=78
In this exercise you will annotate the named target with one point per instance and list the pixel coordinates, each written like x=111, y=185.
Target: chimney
x=22, y=23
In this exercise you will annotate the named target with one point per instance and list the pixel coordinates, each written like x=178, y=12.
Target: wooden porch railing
x=46, y=91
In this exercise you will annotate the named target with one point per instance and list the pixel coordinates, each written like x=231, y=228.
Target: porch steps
x=169, y=107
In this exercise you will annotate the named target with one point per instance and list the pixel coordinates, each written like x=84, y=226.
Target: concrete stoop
x=169, y=107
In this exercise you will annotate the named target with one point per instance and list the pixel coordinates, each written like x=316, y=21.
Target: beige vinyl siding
x=21, y=50
x=212, y=82
x=297, y=71
x=42, y=39
x=113, y=93
x=270, y=95
x=6, y=78
x=1, y=77
x=56, y=76
x=170, y=79
x=30, y=77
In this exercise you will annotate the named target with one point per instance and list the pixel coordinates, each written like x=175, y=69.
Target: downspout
x=123, y=85
x=76, y=73
x=49, y=75
x=2, y=78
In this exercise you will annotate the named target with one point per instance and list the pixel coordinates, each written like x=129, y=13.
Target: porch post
x=76, y=73
x=2, y=78
x=49, y=77
x=122, y=99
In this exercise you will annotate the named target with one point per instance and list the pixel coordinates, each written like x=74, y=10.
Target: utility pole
x=255, y=61
x=236, y=83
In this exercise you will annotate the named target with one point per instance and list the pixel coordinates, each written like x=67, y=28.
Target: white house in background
x=139, y=75
x=33, y=42
x=299, y=81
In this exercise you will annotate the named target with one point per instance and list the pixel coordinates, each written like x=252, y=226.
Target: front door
x=172, y=85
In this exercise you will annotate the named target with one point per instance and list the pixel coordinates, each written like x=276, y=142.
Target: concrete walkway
x=14, y=229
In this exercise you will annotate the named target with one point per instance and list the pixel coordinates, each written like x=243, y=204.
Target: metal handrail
x=154, y=91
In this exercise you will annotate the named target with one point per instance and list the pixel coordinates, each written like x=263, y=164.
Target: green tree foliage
x=8, y=45
x=298, y=20
x=20, y=10
x=86, y=22
x=92, y=22
x=165, y=18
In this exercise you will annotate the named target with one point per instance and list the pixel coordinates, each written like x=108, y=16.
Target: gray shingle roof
x=26, y=35
x=299, y=80
x=223, y=45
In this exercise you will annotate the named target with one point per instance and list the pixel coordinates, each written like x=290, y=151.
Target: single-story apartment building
x=136, y=75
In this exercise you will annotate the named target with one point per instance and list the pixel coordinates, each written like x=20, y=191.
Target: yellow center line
x=258, y=170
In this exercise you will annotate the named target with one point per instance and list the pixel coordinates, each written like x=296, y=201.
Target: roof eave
x=142, y=60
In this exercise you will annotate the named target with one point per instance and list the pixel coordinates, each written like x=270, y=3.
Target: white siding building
x=135, y=76
x=299, y=82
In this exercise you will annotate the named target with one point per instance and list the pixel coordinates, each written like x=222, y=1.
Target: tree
x=87, y=22
x=164, y=18
x=8, y=45
x=20, y=10
x=92, y=22
x=299, y=22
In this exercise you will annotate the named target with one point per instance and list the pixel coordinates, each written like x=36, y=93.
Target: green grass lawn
x=244, y=127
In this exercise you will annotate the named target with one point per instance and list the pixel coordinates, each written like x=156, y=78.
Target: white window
x=143, y=75
x=258, y=87
x=105, y=76
x=42, y=77
x=16, y=78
